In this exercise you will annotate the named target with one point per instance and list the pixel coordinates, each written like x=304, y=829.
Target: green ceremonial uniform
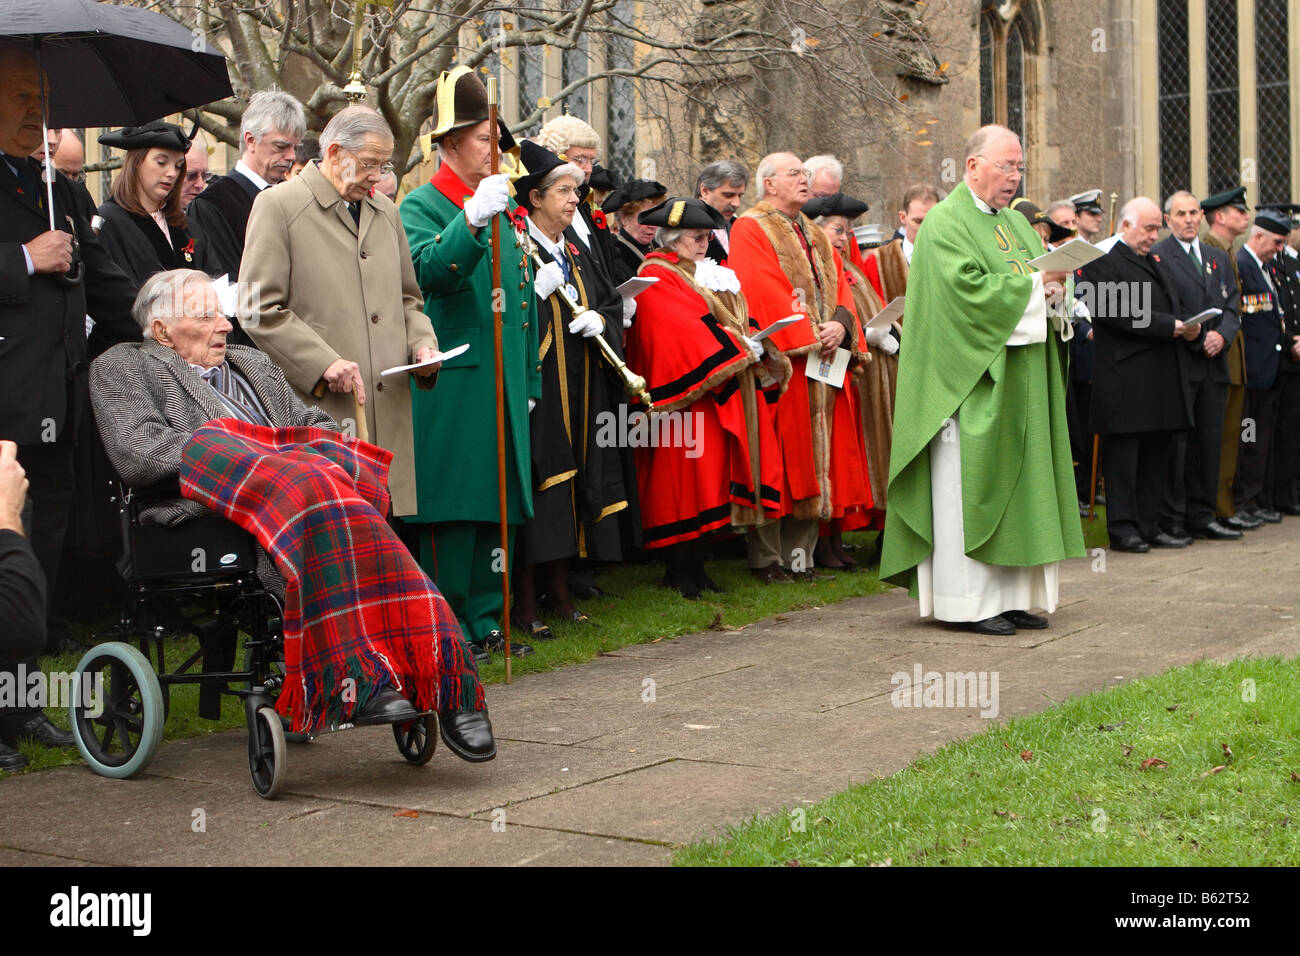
x=455, y=424
x=967, y=290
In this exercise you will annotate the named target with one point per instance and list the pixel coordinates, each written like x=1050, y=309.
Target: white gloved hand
x=491, y=197
x=587, y=324
x=888, y=345
x=629, y=310
x=549, y=278
x=532, y=403
x=755, y=347
x=874, y=336
x=1079, y=310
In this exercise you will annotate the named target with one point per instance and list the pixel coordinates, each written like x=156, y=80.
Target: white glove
x=888, y=345
x=549, y=278
x=491, y=197
x=1079, y=310
x=874, y=336
x=532, y=403
x=755, y=347
x=587, y=324
x=716, y=278
x=629, y=310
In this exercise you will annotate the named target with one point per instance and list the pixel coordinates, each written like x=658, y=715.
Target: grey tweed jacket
x=148, y=402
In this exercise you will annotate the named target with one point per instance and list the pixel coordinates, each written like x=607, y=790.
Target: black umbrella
x=114, y=66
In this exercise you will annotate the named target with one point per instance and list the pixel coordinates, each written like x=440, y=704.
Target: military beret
x=1229, y=197
x=155, y=134
x=1275, y=222
x=836, y=204
x=683, y=214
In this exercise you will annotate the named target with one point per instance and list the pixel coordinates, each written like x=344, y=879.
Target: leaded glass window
x=576, y=66
x=1173, y=97
x=620, y=117
x=986, y=72
x=1273, y=101
x=1222, y=144
x=1016, y=80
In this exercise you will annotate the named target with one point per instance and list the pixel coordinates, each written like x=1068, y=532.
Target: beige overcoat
x=313, y=290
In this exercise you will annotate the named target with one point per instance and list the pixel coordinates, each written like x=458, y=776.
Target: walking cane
x=1092, y=488
x=498, y=307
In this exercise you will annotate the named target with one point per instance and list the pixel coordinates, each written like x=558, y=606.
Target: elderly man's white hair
x=1180, y=194
x=984, y=136
x=270, y=110
x=825, y=163
x=169, y=295
x=565, y=131
x=767, y=168
x=350, y=127
x=1133, y=208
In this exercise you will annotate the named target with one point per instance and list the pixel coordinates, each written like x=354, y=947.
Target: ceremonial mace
x=633, y=383
x=498, y=309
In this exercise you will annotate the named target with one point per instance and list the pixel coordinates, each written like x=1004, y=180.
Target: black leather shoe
x=1162, y=540
x=1131, y=543
x=999, y=626
x=496, y=641
x=386, y=707
x=1242, y=522
x=40, y=730
x=772, y=574
x=11, y=759
x=811, y=575
x=1216, y=532
x=1267, y=515
x=468, y=734
x=481, y=654
x=1023, y=619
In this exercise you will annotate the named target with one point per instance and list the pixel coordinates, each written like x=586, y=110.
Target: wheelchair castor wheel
x=266, y=753
x=417, y=739
x=123, y=737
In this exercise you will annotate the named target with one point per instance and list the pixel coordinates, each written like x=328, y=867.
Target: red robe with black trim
x=698, y=373
x=771, y=296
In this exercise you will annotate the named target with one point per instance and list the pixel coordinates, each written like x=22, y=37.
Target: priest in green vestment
x=981, y=487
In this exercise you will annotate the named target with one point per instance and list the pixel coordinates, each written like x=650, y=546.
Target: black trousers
x=1193, y=482
x=50, y=494
x=1259, y=409
x=1282, y=490
x=1136, y=466
x=1078, y=403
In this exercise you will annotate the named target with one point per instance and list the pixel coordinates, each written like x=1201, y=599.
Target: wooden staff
x=1092, y=488
x=498, y=306
x=363, y=430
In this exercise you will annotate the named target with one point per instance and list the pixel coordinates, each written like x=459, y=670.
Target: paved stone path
x=779, y=713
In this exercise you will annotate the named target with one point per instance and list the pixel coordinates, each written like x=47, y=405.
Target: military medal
x=189, y=251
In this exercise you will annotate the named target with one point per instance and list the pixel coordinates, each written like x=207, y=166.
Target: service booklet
x=439, y=357
x=888, y=315
x=1075, y=254
x=828, y=369
x=1200, y=317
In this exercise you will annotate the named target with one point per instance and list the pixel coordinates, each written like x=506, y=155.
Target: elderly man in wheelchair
x=367, y=637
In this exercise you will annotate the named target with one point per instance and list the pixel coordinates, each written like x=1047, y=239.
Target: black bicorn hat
x=155, y=134
x=1278, y=223
x=1229, y=197
x=539, y=161
x=683, y=214
x=606, y=180
x=633, y=190
x=1036, y=216
x=836, y=204
x=461, y=100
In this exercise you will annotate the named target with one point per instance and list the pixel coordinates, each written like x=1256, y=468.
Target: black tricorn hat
x=461, y=100
x=683, y=214
x=154, y=134
x=603, y=179
x=633, y=190
x=539, y=161
x=1036, y=217
x=836, y=204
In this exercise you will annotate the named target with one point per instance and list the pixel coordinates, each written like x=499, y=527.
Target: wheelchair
x=198, y=578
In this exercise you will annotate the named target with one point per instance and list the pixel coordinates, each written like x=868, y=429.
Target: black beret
x=1229, y=197
x=683, y=214
x=155, y=134
x=1275, y=222
x=836, y=204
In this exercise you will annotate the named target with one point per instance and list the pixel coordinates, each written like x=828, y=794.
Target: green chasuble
x=967, y=289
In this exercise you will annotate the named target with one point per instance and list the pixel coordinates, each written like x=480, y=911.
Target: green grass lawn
x=1076, y=785
x=636, y=610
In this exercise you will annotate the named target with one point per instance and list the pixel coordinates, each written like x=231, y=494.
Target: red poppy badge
x=598, y=217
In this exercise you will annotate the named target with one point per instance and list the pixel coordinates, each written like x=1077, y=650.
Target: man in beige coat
x=329, y=292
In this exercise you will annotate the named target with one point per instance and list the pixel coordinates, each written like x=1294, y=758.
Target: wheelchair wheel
x=266, y=753
x=123, y=737
x=418, y=739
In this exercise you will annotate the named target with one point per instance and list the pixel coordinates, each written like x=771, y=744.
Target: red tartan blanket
x=359, y=613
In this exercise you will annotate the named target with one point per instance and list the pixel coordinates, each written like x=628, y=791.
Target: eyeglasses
x=582, y=161
x=800, y=173
x=383, y=167
x=1005, y=168
x=192, y=175
x=700, y=237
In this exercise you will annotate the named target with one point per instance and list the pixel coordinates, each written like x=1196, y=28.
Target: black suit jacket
x=1286, y=276
x=220, y=213
x=1262, y=320
x=1214, y=287
x=43, y=348
x=1138, y=381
